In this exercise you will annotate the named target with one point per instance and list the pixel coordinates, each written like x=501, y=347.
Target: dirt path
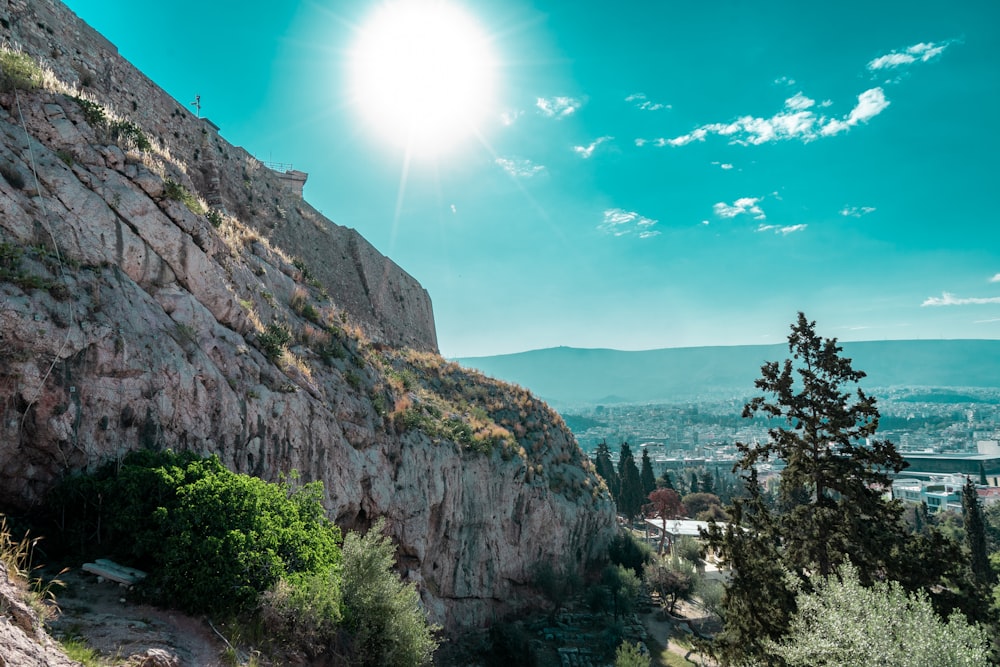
x=100, y=614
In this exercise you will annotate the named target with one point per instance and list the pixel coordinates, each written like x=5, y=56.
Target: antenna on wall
x=197, y=105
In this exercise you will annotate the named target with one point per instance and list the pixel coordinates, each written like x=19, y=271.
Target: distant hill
x=571, y=376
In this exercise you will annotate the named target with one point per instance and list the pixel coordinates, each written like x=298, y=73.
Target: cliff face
x=132, y=315
x=383, y=299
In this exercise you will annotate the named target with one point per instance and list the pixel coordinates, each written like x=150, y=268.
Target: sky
x=631, y=175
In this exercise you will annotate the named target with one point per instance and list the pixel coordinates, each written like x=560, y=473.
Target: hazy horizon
x=656, y=175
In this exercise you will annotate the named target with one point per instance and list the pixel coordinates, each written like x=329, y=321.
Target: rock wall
x=387, y=302
x=129, y=319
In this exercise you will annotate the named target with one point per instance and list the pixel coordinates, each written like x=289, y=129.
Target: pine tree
x=664, y=481
x=835, y=474
x=646, y=476
x=975, y=535
x=830, y=506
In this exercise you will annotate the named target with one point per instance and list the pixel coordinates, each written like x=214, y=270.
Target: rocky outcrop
x=23, y=641
x=389, y=304
x=133, y=317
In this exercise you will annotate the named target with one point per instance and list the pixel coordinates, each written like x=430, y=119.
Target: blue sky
x=643, y=174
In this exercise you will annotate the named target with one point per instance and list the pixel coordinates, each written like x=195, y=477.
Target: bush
x=630, y=655
x=18, y=71
x=274, y=340
x=212, y=540
x=627, y=550
x=304, y=610
x=381, y=612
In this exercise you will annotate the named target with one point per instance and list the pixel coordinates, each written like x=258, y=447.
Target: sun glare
x=422, y=75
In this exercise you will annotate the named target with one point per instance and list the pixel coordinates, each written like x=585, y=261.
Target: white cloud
x=640, y=142
x=558, y=107
x=780, y=229
x=725, y=166
x=586, y=151
x=642, y=102
x=799, y=102
x=856, y=211
x=922, y=52
x=519, y=167
x=995, y=279
x=784, y=81
x=453, y=209
x=797, y=120
x=619, y=222
x=949, y=299
x=742, y=206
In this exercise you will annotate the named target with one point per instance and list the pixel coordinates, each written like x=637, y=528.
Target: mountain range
x=567, y=376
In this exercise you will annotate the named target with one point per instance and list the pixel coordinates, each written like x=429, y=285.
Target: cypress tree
x=630, y=493
x=606, y=469
x=975, y=535
x=646, y=476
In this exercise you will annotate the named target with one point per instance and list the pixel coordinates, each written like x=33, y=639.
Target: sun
x=422, y=75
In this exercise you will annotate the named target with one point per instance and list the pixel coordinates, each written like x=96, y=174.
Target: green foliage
x=631, y=655
x=630, y=496
x=274, y=340
x=11, y=258
x=124, y=132
x=381, y=612
x=844, y=623
x=304, y=610
x=92, y=112
x=606, y=469
x=174, y=190
x=647, y=479
x=212, y=540
x=672, y=577
x=627, y=550
x=975, y=535
x=18, y=71
x=622, y=586
x=556, y=585
x=129, y=135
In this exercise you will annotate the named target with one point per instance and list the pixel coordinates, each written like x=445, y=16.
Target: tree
x=556, y=586
x=832, y=487
x=844, y=623
x=630, y=495
x=630, y=655
x=382, y=613
x=696, y=503
x=623, y=586
x=672, y=577
x=664, y=504
x=606, y=469
x=830, y=505
x=664, y=481
x=646, y=477
x=975, y=535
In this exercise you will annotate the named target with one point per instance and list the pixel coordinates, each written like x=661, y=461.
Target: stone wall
x=389, y=304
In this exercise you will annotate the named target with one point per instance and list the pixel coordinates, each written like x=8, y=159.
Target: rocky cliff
x=160, y=288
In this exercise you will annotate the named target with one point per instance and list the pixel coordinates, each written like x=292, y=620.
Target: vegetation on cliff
x=235, y=547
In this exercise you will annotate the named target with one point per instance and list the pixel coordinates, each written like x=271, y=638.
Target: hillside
x=160, y=288
x=570, y=376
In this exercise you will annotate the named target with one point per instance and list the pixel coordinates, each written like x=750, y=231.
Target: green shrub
x=383, y=614
x=92, y=112
x=212, y=540
x=18, y=71
x=304, y=610
x=174, y=190
x=631, y=655
x=274, y=340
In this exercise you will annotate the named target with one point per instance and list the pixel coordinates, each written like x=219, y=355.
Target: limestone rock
x=128, y=320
